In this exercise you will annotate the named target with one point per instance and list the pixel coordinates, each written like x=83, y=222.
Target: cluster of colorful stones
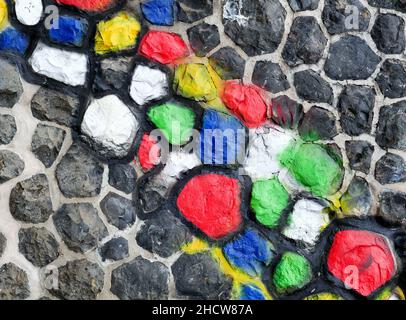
x=259, y=201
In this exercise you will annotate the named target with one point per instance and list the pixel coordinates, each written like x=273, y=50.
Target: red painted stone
x=246, y=102
x=212, y=203
x=364, y=255
x=164, y=47
x=148, y=152
x=89, y=5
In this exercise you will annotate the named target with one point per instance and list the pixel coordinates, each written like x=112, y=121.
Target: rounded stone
x=391, y=130
x=8, y=128
x=28, y=12
x=122, y=177
x=286, y=112
x=269, y=76
x=114, y=250
x=388, y=33
x=38, y=246
x=391, y=168
x=112, y=74
x=358, y=199
x=79, y=226
x=11, y=87
x=359, y=154
x=391, y=78
x=228, y=63
x=318, y=124
x=203, y=38
x=140, y=279
x=120, y=211
x=398, y=5
x=393, y=206
x=14, y=283
x=30, y=200
x=11, y=165
x=311, y=87
x=190, y=11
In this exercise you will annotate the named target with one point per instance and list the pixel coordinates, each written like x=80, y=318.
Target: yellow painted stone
x=119, y=33
x=324, y=296
x=3, y=14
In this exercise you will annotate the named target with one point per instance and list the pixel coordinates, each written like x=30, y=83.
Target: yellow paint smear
x=3, y=14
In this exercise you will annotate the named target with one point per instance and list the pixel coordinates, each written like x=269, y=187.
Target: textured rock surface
x=359, y=154
x=8, y=128
x=393, y=206
x=391, y=130
x=357, y=200
x=311, y=87
x=286, y=112
x=389, y=33
x=3, y=243
x=302, y=5
x=122, y=177
x=11, y=165
x=392, y=78
x=318, y=124
x=391, y=168
x=119, y=211
x=193, y=10
x=11, y=88
x=228, y=63
x=269, y=76
x=112, y=73
x=115, y=249
x=203, y=38
x=13, y=283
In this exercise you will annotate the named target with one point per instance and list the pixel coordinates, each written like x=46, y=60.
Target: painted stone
x=159, y=12
x=117, y=34
x=28, y=12
x=367, y=251
x=324, y=296
x=3, y=14
x=251, y=292
x=286, y=112
x=149, y=152
x=89, y=5
x=318, y=124
x=357, y=200
x=163, y=47
x=14, y=40
x=68, y=31
x=212, y=203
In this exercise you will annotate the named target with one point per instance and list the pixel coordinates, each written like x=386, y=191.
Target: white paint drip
x=232, y=12
x=28, y=12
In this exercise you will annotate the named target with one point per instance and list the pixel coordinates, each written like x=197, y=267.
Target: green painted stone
x=268, y=200
x=175, y=122
x=314, y=166
x=293, y=272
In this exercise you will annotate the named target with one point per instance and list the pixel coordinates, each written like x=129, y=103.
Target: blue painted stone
x=159, y=12
x=218, y=127
x=14, y=40
x=250, y=252
x=70, y=31
x=250, y=292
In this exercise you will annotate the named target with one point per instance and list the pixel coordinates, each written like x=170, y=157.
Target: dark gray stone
x=399, y=5
x=302, y=5
x=198, y=276
x=257, y=26
x=340, y=16
x=203, y=38
x=47, y=143
x=192, y=10
x=228, y=63
x=391, y=78
x=38, y=246
x=11, y=87
x=112, y=73
x=116, y=249
x=55, y=106
x=30, y=200
x=140, y=279
x=286, y=112
x=356, y=104
x=357, y=200
x=120, y=212
x=350, y=58
x=393, y=206
x=8, y=128
x=11, y=165
x=312, y=87
x=151, y=194
x=122, y=177
x=3, y=244
x=269, y=76
x=359, y=154
x=391, y=130
x=305, y=43
x=318, y=124
x=79, y=280
x=13, y=283
x=164, y=234
x=389, y=33
x=391, y=168
x=79, y=174
x=79, y=226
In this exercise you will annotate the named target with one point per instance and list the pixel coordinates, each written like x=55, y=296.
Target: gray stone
x=112, y=73
x=11, y=87
x=14, y=283
x=391, y=78
x=122, y=177
x=286, y=112
x=120, y=212
x=151, y=195
x=318, y=124
x=391, y=168
x=203, y=38
x=116, y=249
x=55, y=106
x=30, y=200
x=11, y=165
x=192, y=10
x=8, y=128
x=79, y=226
x=312, y=87
x=140, y=279
x=227, y=63
x=359, y=154
x=357, y=200
x=303, y=5
x=393, y=206
x=269, y=76
x=163, y=234
x=3, y=244
x=257, y=26
x=79, y=174
x=399, y=5
x=198, y=276
x=306, y=42
x=79, y=280
x=356, y=104
x=391, y=130
x=341, y=16
x=47, y=143
x=389, y=33
x=38, y=246
x=350, y=58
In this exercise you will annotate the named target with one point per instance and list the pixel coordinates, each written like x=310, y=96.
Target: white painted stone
x=232, y=11
x=148, y=84
x=307, y=222
x=28, y=12
x=110, y=124
x=62, y=65
x=265, y=147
